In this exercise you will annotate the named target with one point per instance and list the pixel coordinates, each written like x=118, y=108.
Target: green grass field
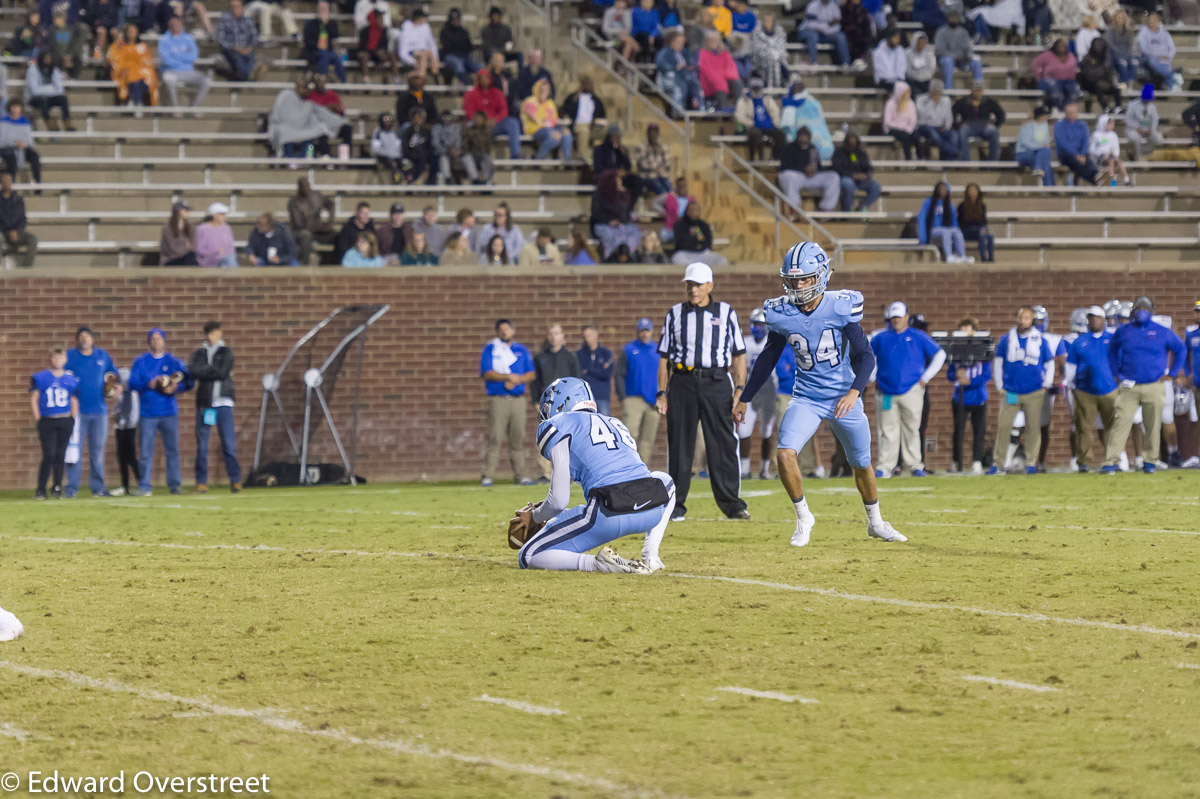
x=340, y=640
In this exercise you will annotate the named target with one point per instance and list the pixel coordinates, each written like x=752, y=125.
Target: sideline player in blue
x=833, y=364
x=54, y=397
x=623, y=496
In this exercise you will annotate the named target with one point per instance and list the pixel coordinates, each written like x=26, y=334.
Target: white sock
x=1008, y=458
x=745, y=466
x=1172, y=450
x=561, y=560
x=873, y=514
x=655, y=536
x=801, y=506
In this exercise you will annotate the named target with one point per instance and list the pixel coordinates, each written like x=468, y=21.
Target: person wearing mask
x=506, y=367
x=823, y=25
x=972, y=219
x=955, y=51
x=906, y=360
x=1105, y=148
x=1056, y=72
x=677, y=76
x=54, y=398
x=211, y=366
x=890, y=61
x=214, y=239
x=694, y=240
x=636, y=381
x=12, y=224
x=1157, y=50
x=978, y=117
x=970, y=381
x=1023, y=369
x=1073, y=143
x=553, y=362
x=319, y=44
x=768, y=52
x=920, y=62
x=98, y=382
x=177, y=242
x=800, y=169
x=309, y=216
x=585, y=113
x=596, y=368
x=937, y=220
x=1090, y=378
x=270, y=243
x=541, y=251
x=416, y=47
x=853, y=166
x=1033, y=146
x=900, y=118
x=44, y=91
x=935, y=122
x=158, y=376
x=177, y=52
x=719, y=80
x=758, y=115
x=1141, y=124
x=457, y=49
x=16, y=142
x=1142, y=354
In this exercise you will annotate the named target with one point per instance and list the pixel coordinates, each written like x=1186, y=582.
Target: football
x=112, y=385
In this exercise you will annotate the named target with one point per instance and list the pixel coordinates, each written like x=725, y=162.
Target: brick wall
x=422, y=409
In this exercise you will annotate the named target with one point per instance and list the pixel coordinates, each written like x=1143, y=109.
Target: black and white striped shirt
x=706, y=337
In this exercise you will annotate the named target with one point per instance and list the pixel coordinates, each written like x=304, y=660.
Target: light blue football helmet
x=565, y=394
x=805, y=260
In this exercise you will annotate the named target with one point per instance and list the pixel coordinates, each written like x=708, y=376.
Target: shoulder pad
x=849, y=304
x=776, y=303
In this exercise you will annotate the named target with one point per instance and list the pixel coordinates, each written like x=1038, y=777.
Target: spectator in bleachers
x=270, y=243
x=16, y=142
x=30, y=38
x=1105, y=148
x=1056, y=71
x=645, y=27
x=373, y=21
x=320, y=94
x=581, y=252
x=1157, y=50
x=610, y=217
x=477, y=150
x=1072, y=140
x=495, y=253
x=447, y=148
x=585, y=113
x=44, y=91
x=1007, y=15
x=1037, y=18
x=464, y=223
x=653, y=164
x=102, y=17
x=68, y=44
x=718, y=74
x=364, y=253
x=539, y=116
x=617, y=26
x=530, y=74
x=928, y=14
x=266, y=10
x=768, y=52
x=458, y=252
x=387, y=147
x=347, y=238
x=238, y=38
x=760, y=117
x=294, y=123
x=177, y=51
x=669, y=16
x=541, y=251
x=13, y=222
x=319, y=39
x=677, y=76
x=417, y=252
x=955, y=51
x=859, y=31
x=416, y=137
x=935, y=121
x=427, y=226
x=694, y=240
x=310, y=215
x=1033, y=146
x=1141, y=123
x=889, y=60
x=1097, y=78
x=415, y=96
x=502, y=226
x=978, y=117
x=920, y=61
x=133, y=69
x=496, y=37
x=740, y=42
x=214, y=239
x=416, y=46
x=611, y=154
x=802, y=110
x=393, y=235
x=504, y=80
x=972, y=218
x=651, y=250
x=1068, y=14
x=1121, y=39
x=853, y=166
x=719, y=17
x=800, y=169
x=490, y=101
x=900, y=118
x=823, y=25
x=177, y=242
x=457, y=49
x=1084, y=37
x=674, y=206
x=937, y=221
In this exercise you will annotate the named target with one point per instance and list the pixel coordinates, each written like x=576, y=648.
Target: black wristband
x=738, y=388
x=660, y=394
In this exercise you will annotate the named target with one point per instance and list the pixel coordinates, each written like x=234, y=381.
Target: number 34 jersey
x=603, y=453
x=822, y=364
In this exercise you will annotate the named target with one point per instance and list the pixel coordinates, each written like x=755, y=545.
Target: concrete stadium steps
x=1033, y=228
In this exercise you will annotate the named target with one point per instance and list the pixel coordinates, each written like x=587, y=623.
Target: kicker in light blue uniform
x=833, y=363
x=623, y=496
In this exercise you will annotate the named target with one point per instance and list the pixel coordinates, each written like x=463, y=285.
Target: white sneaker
x=976, y=468
x=1123, y=461
x=1073, y=466
x=804, y=528
x=653, y=563
x=884, y=531
x=609, y=562
x=820, y=472
x=1191, y=463
x=1139, y=462
x=10, y=626
x=119, y=491
x=1163, y=465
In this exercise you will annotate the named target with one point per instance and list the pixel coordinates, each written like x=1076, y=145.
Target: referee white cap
x=897, y=309
x=698, y=273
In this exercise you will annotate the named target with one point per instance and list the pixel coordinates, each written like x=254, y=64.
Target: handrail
x=528, y=6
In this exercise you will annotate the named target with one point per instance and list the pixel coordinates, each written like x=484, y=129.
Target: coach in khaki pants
x=506, y=367
x=1142, y=354
x=1024, y=369
x=1095, y=390
x=637, y=384
x=906, y=359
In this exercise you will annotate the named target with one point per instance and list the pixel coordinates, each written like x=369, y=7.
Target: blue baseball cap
x=157, y=330
x=645, y=323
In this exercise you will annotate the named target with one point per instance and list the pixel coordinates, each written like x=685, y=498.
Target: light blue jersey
x=823, y=369
x=603, y=453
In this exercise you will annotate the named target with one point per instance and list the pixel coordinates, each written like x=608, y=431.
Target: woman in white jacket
x=1106, y=149
x=416, y=46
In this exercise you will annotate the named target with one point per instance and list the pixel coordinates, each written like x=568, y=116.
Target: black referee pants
x=709, y=401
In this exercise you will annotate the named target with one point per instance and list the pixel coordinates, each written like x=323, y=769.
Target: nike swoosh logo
x=639, y=507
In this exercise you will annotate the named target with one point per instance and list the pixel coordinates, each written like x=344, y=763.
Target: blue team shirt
x=1089, y=353
x=901, y=359
x=1192, y=342
x=785, y=371
x=975, y=393
x=91, y=369
x=152, y=404
x=603, y=453
x=641, y=375
x=1018, y=376
x=596, y=374
x=54, y=393
x=1139, y=352
x=523, y=365
x=822, y=362
x=744, y=23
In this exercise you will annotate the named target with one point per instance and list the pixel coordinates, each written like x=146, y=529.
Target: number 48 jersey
x=823, y=369
x=603, y=453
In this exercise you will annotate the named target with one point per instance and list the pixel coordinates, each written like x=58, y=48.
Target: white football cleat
x=10, y=626
x=804, y=528
x=653, y=563
x=884, y=531
x=609, y=562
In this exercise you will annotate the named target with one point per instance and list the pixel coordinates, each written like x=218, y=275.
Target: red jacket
x=490, y=101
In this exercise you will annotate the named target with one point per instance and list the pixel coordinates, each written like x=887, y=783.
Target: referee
x=702, y=372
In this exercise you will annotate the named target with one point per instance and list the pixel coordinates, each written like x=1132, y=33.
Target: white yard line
x=733, y=689
x=1033, y=522
x=524, y=707
x=271, y=718
x=9, y=731
x=1188, y=666
x=1024, y=686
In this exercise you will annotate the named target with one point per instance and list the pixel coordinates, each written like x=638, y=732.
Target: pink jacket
x=905, y=120
x=671, y=209
x=716, y=70
x=1047, y=66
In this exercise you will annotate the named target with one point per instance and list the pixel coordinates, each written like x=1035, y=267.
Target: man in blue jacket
x=906, y=360
x=596, y=365
x=970, y=398
x=1095, y=390
x=1071, y=137
x=158, y=376
x=1142, y=354
x=637, y=385
x=93, y=366
x=1023, y=369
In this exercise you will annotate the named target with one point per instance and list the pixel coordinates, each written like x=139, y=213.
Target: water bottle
x=309, y=151
x=1113, y=182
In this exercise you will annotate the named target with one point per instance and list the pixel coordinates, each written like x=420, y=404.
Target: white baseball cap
x=218, y=208
x=897, y=309
x=698, y=273
x=1095, y=310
